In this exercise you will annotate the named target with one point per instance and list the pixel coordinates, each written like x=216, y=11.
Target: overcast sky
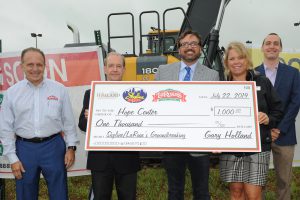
x=243, y=20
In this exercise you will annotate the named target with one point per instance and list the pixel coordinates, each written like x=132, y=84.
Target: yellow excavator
x=203, y=16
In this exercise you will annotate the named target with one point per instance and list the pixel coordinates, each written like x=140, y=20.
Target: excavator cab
x=154, y=43
x=144, y=66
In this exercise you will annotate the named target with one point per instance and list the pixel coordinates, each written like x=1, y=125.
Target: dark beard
x=190, y=59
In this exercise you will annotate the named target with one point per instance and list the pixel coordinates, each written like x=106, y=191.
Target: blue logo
x=134, y=95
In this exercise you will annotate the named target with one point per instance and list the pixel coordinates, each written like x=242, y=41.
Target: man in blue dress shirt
x=35, y=112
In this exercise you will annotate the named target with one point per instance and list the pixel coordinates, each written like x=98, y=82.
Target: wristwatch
x=72, y=147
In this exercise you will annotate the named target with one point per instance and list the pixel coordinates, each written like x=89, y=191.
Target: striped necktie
x=188, y=74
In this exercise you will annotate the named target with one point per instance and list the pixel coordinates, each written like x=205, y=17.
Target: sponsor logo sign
x=169, y=95
x=107, y=95
x=134, y=95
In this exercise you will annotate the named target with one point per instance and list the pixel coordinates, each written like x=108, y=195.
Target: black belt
x=38, y=139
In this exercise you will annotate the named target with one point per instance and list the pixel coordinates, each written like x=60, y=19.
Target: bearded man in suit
x=188, y=69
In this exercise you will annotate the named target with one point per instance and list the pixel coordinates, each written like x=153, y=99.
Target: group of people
x=38, y=130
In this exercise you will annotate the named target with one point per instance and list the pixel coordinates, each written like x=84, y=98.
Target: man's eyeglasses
x=187, y=44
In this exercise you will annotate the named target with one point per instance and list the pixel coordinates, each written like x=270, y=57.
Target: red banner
x=70, y=69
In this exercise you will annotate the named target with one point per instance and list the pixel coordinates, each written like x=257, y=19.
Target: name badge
x=258, y=88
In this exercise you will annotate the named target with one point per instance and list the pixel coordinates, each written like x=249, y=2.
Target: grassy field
x=152, y=185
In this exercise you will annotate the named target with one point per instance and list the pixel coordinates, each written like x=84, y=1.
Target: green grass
x=152, y=185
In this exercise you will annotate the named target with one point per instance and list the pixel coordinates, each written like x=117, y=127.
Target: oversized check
x=173, y=116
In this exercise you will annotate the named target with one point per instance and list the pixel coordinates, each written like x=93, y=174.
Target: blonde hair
x=241, y=49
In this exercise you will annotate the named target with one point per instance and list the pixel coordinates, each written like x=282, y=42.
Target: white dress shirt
x=35, y=111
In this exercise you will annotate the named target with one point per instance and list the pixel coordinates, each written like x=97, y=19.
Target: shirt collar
x=270, y=69
x=31, y=85
x=183, y=65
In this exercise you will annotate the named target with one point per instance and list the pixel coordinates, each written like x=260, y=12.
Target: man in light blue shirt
x=35, y=113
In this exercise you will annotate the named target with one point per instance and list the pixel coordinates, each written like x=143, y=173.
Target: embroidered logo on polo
x=169, y=95
x=134, y=95
x=52, y=97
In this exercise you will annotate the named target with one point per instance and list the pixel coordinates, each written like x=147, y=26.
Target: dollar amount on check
x=173, y=116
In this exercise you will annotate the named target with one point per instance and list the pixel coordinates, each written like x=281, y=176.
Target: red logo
x=169, y=95
x=52, y=97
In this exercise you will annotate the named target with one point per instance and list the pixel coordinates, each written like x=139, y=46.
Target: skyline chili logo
x=169, y=95
x=134, y=95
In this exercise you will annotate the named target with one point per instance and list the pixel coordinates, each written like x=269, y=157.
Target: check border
x=89, y=147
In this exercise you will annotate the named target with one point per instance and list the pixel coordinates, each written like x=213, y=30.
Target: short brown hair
x=280, y=42
x=188, y=32
x=32, y=49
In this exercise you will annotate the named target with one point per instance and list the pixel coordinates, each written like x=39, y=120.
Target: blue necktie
x=188, y=74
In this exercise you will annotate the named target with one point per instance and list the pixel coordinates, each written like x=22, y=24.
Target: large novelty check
x=173, y=116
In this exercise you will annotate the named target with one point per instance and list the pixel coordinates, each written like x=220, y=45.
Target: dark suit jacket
x=268, y=102
x=122, y=162
x=287, y=85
